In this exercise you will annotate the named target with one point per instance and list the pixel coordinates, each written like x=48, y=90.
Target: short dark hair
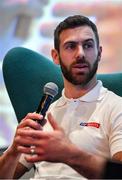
x=73, y=22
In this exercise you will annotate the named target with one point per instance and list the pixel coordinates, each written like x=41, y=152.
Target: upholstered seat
x=26, y=72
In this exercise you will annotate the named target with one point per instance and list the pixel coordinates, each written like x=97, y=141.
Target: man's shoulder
x=113, y=101
x=113, y=96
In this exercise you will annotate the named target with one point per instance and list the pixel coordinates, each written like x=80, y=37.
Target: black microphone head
x=51, y=89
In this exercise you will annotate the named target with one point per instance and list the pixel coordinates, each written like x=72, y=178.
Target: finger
x=29, y=124
x=42, y=122
x=28, y=141
x=53, y=123
x=34, y=158
x=24, y=150
x=37, y=134
x=39, y=118
x=27, y=150
x=34, y=115
x=31, y=120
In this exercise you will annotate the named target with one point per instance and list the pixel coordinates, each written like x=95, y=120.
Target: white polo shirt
x=93, y=122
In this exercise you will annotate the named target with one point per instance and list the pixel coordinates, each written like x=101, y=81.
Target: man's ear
x=99, y=53
x=55, y=56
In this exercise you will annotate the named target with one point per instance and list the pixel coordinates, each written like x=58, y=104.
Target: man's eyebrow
x=87, y=40
x=68, y=42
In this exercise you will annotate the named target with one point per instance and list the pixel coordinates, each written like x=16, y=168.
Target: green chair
x=26, y=72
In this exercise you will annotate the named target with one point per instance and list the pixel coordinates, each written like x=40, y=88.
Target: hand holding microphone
x=50, y=91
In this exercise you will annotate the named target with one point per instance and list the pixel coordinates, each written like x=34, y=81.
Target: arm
x=9, y=166
x=86, y=164
x=8, y=163
x=9, y=160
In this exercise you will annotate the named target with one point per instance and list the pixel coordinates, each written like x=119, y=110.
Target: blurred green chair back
x=26, y=72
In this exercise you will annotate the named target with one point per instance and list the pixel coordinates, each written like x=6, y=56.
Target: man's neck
x=76, y=91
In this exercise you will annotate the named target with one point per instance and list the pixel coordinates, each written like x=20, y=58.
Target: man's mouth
x=80, y=66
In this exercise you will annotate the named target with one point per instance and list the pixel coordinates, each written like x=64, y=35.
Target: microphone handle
x=43, y=106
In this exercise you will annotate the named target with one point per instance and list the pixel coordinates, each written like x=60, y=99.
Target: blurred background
x=30, y=24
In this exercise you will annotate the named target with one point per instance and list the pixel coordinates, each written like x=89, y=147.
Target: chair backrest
x=26, y=72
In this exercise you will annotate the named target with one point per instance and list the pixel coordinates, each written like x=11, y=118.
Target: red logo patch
x=93, y=124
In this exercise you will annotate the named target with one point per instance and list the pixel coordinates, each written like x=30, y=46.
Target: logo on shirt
x=92, y=124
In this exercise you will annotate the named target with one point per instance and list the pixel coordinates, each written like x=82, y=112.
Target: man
x=86, y=120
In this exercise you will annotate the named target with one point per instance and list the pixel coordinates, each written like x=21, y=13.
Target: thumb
x=53, y=123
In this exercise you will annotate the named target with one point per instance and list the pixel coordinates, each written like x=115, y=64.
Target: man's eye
x=70, y=46
x=87, y=46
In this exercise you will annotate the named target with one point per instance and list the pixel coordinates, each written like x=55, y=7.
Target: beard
x=81, y=78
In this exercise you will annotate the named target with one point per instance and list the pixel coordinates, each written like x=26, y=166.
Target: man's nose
x=80, y=51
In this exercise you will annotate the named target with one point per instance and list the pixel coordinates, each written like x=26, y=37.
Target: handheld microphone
x=50, y=91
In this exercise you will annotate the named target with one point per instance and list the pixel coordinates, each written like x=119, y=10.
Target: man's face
x=79, y=55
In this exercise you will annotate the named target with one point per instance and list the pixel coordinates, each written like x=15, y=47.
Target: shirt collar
x=95, y=94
